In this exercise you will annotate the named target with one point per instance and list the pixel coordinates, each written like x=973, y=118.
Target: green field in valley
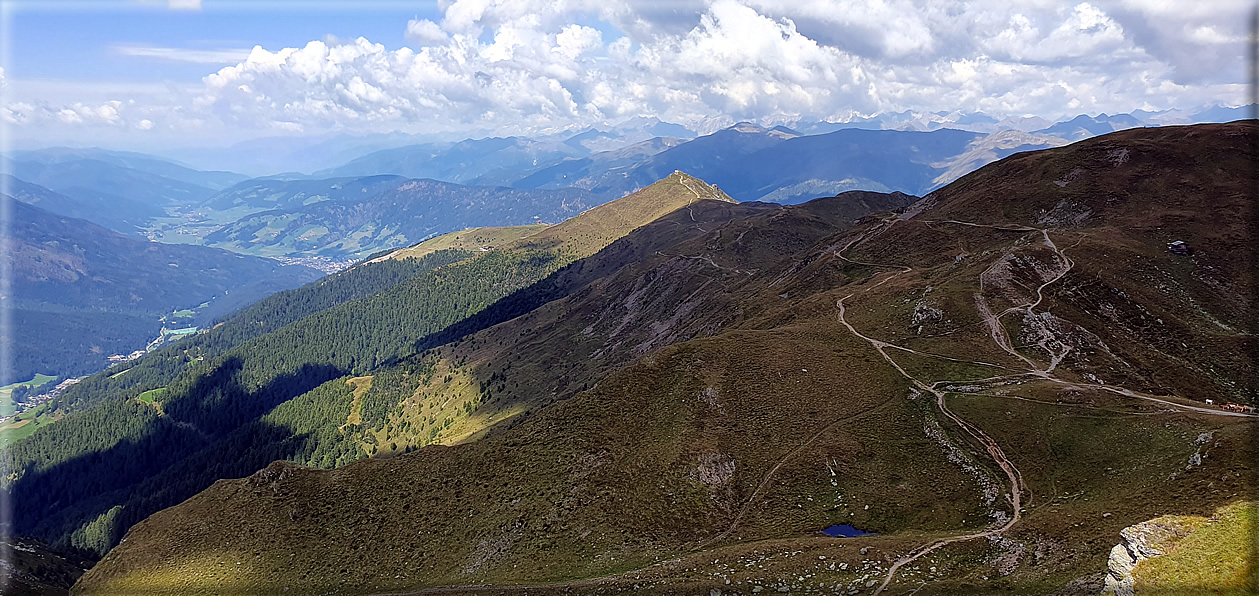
x=6, y=392
x=27, y=422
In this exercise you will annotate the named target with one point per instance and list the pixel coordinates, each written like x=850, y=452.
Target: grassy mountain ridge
x=982, y=379
x=314, y=427
x=218, y=388
x=666, y=283
x=665, y=231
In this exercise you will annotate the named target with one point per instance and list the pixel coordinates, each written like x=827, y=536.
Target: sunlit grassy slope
x=472, y=239
x=691, y=410
x=1212, y=557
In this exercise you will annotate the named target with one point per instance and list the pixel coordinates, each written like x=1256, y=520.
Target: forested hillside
x=216, y=390
x=123, y=216
x=264, y=194
x=267, y=315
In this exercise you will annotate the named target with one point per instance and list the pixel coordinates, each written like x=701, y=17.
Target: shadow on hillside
x=634, y=247
x=170, y=458
x=212, y=430
x=550, y=288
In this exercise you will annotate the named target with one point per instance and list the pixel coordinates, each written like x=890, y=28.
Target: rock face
x=1141, y=541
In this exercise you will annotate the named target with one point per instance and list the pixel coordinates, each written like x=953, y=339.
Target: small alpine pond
x=844, y=531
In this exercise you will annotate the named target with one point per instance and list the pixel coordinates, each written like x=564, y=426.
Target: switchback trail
x=682, y=179
x=1015, y=479
x=994, y=451
x=937, y=389
x=999, y=336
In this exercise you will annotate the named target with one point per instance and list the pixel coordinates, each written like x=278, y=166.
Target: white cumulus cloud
x=426, y=32
x=519, y=66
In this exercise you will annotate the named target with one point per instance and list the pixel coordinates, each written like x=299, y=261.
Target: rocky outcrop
x=1141, y=541
x=714, y=469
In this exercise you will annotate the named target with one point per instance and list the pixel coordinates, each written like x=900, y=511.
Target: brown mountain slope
x=1100, y=213
x=680, y=277
x=934, y=376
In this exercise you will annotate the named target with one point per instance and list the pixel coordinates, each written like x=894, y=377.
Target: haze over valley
x=723, y=297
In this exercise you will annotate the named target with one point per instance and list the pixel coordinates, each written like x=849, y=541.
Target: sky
x=167, y=73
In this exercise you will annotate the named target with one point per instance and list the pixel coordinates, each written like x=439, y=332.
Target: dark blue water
x=844, y=531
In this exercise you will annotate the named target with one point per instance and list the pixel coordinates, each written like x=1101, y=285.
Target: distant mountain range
x=99, y=181
x=352, y=216
x=1083, y=127
x=119, y=190
x=753, y=163
x=326, y=154
x=460, y=162
x=353, y=209
x=493, y=160
x=980, y=122
x=140, y=162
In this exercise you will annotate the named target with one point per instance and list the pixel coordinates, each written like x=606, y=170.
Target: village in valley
x=22, y=403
